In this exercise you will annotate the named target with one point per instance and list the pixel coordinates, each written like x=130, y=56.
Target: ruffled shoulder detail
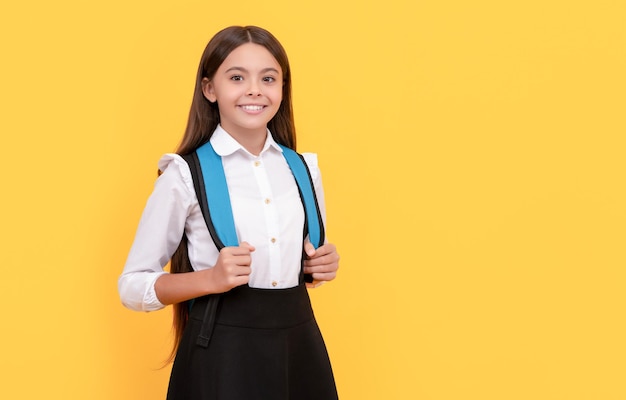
x=311, y=162
x=172, y=163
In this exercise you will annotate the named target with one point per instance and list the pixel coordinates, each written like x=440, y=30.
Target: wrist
x=211, y=282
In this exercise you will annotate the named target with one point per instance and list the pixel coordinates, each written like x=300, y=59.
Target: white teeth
x=252, y=108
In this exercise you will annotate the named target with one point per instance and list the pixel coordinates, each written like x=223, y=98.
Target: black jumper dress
x=250, y=344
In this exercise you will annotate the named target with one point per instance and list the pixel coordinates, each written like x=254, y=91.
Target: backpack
x=207, y=171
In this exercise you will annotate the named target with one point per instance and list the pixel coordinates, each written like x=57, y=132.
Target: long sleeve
x=158, y=235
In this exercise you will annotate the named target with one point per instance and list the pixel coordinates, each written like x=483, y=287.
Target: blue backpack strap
x=198, y=184
x=301, y=172
x=219, y=208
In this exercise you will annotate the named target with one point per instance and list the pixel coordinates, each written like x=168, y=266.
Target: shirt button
x=274, y=283
x=268, y=201
x=257, y=163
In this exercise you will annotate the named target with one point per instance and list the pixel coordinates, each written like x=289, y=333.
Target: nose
x=254, y=89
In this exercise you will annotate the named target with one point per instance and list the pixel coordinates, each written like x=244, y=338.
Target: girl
x=243, y=323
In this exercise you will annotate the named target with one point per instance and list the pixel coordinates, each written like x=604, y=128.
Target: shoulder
x=311, y=159
x=311, y=162
x=174, y=168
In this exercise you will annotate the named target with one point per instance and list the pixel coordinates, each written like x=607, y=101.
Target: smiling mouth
x=252, y=108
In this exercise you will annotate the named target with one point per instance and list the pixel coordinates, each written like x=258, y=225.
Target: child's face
x=248, y=88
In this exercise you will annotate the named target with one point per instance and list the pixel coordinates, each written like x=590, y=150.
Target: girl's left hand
x=322, y=263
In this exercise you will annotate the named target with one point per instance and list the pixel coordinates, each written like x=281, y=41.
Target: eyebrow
x=242, y=69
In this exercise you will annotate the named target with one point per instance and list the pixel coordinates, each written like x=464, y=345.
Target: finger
x=324, y=277
x=244, y=249
x=309, y=249
x=325, y=249
x=236, y=267
x=240, y=280
x=332, y=258
x=236, y=256
x=333, y=267
x=247, y=245
x=243, y=260
x=242, y=270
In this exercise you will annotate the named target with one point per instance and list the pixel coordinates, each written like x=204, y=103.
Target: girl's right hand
x=233, y=267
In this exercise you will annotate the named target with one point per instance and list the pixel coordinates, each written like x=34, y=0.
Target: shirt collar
x=225, y=145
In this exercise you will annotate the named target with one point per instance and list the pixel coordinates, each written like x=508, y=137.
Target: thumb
x=246, y=245
x=309, y=249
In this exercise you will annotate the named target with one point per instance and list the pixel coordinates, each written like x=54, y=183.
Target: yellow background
x=473, y=159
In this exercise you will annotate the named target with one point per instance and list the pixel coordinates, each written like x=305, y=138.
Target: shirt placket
x=271, y=218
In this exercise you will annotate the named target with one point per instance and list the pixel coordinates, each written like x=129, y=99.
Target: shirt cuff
x=150, y=300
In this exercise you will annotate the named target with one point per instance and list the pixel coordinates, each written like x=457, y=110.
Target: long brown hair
x=204, y=118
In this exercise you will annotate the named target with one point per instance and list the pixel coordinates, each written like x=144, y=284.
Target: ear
x=208, y=90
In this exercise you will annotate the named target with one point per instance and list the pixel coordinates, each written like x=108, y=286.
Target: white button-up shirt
x=267, y=210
